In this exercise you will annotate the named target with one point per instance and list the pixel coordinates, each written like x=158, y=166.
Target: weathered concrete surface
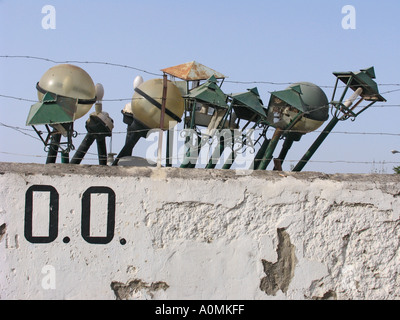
x=200, y=234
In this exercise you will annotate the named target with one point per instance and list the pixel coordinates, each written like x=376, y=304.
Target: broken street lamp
x=98, y=126
x=146, y=111
x=364, y=87
x=66, y=93
x=249, y=107
x=208, y=95
x=295, y=111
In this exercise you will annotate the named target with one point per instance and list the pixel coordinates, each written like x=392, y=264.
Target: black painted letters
x=54, y=215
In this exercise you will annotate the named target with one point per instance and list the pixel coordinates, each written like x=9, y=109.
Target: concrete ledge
x=98, y=232
x=170, y=173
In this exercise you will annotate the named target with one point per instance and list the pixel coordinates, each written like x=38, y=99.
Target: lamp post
x=295, y=111
x=66, y=93
x=99, y=126
x=209, y=94
x=247, y=106
x=364, y=87
x=150, y=100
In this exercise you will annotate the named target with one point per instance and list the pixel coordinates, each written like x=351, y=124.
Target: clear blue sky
x=253, y=40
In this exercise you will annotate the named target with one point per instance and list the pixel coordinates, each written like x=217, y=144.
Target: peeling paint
x=127, y=291
x=279, y=274
x=206, y=234
x=329, y=295
x=3, y=229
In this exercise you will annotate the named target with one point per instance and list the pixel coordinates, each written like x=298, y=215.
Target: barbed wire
x=80, y=62
x=26, y=131
x=160, y=74
x=19, y=129
x=130, y=99
x=176, y=160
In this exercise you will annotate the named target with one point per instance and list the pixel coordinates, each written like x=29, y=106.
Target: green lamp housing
x=200, y=99
x=303, y=107
x=363, y=85
x=248, y=105
x=53, y=109
x=209, y=93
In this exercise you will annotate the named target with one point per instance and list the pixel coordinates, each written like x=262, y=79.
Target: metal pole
x=270, y=149
x=53, y=150
x=101, y=149
x=170, y=144
x=168, y=155
x=186, y=160
x=64, y=157
x=83, y=148
x=228, y=163
x=193, y=161
x=307, y=156
x=163, y=102
x=216, y=154
x=135, y=131
x=285, y=148
x=274, y=141
x=260, y=153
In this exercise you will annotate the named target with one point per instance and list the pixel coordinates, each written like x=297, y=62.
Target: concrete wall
x=91, y=232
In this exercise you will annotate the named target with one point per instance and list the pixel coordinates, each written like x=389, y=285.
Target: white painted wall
x=199, y=234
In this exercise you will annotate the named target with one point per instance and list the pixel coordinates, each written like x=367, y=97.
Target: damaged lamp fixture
x=154, y=104
x=208, y=95
x=66, y=93
x=246, y=106
x=293, y=112
x=364, y=87
x=98, y=126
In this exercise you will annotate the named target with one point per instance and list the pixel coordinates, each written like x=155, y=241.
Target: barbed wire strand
x=177, y=159
x=81, y=62
x=19, y=129
x=158, y=74
x=130, y=99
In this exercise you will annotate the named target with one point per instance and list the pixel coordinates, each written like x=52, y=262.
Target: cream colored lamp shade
x=69, y=81
x=147, y=100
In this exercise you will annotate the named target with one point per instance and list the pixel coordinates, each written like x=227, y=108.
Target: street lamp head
x=66, y=80
x=302, y=98
x=147, y=99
